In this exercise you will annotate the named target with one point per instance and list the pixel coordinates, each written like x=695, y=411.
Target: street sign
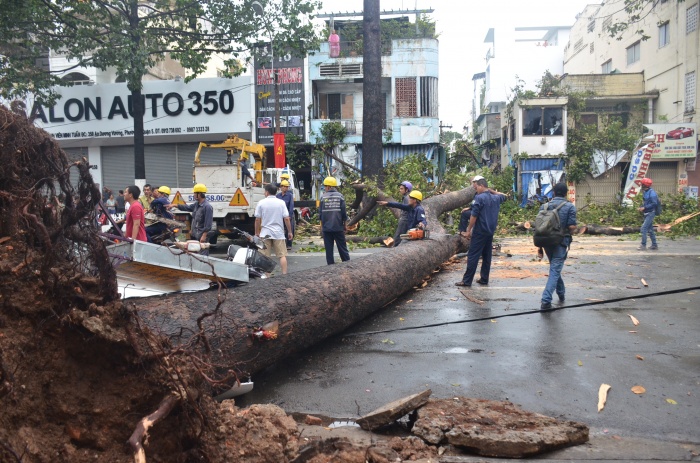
x=238, y=199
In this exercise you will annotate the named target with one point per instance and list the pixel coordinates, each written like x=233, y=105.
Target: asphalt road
x=551, y=363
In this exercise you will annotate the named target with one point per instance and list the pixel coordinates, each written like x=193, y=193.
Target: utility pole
x=443, y=127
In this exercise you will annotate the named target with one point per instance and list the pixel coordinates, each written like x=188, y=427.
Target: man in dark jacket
x=482, y=225
x=285, y=195
x=333, y=217
x=648, y=208
x=415, y=217
x=404, y=188
x=202, y=224
x=557, y=254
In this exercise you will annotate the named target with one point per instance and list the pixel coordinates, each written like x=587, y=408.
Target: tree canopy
x=133, y=36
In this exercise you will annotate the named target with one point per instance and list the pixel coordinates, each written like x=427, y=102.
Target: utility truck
x=232, y=195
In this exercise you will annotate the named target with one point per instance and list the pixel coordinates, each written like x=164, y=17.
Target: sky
x=462, y=26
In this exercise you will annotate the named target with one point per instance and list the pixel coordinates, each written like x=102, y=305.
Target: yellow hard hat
x=284, y=183
x=415, y=194
x=330, y=181
x=165, y=190
x=200, y=188
x=284, y=175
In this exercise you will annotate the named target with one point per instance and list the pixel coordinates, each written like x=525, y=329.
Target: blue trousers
x=557, y=256
x=329, y=238
x=648, y=228
x=464, y=220
x=480, y=247
x=401, y=229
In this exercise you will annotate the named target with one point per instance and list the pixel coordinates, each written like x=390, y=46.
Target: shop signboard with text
x=671, y=141
x=201, y=106
x=286, y=73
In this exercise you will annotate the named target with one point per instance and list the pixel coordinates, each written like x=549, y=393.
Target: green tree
x=133, y=36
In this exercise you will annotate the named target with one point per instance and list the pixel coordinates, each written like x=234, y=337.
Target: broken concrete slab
x=495, y=428
x=391, y=412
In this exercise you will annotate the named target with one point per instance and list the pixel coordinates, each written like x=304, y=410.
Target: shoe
x=642, y=248
x=546, y=306
x=482, y=282
x=461, y=283
x=654, y=248
x=562, y=299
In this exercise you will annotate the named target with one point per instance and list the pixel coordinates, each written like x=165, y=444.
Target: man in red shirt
x=135, y=223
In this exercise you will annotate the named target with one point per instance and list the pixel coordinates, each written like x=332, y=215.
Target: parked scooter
x=258, y=263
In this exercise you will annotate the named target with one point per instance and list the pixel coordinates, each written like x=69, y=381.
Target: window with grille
x=429, y=97
x=591, y=48
x=691, y=19
x=578, y=45
x=664, y=34
x=634, y=53
x=406, y=97
x=591, y=25
x=606, y=67
x=690, y=88
x=606, y=24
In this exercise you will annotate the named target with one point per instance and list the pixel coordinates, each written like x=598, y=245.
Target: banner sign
x=673, y=140
x=172, y=107
x=280, y=160
x=639, y=165
x=286, y=73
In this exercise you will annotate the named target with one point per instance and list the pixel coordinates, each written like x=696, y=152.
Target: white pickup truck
x=232, y=196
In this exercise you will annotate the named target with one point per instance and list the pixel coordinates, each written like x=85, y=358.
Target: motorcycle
x=259, y=265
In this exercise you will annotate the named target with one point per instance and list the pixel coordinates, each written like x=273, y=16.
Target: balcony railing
x=348, y=49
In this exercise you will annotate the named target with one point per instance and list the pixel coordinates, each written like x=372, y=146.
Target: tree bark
x=369, y=203
x=612, y=231
x=372, y=150
x=309, y=306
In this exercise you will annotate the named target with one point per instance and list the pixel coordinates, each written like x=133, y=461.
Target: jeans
x=557, y=256
x=648, y=227
x=480, y=246
x=338, y=238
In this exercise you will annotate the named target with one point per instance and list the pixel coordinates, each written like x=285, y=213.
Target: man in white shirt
x=271, y=215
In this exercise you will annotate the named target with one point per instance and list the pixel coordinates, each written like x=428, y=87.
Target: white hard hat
x=477, y=177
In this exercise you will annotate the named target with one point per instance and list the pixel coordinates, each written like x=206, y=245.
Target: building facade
x=667, y=56
x=410, y=88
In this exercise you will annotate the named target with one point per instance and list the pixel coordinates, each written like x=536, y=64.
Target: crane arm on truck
x=232, y=145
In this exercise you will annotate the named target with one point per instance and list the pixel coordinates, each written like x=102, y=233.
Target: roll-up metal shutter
x=185, y=161
x=161, y=165
x=117, y=167
x=602, y=190
x=75, y=154
x=665, y=176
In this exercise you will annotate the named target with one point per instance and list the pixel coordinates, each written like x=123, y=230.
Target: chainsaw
x=416, y=234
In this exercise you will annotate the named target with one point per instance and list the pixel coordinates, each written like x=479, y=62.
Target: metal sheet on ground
x=142, y=280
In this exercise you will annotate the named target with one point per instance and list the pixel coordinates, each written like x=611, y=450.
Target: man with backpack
x=555, y=223
x=651, y=207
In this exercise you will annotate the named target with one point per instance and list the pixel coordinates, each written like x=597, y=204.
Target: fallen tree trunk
x=612, y=231
x=365, y=239
x=309, y=306
x=369, y=203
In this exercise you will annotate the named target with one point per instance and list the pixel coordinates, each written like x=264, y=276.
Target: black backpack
x=548, y=230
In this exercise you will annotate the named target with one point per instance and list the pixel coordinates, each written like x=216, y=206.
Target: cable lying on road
x=517, y=314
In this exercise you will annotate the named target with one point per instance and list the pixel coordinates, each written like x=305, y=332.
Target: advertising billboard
x=287, y=73
x=678, y=140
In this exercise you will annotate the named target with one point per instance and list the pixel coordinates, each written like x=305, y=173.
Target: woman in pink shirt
x=334, y=41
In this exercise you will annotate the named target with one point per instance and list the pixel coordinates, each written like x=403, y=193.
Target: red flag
x=280, y=159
